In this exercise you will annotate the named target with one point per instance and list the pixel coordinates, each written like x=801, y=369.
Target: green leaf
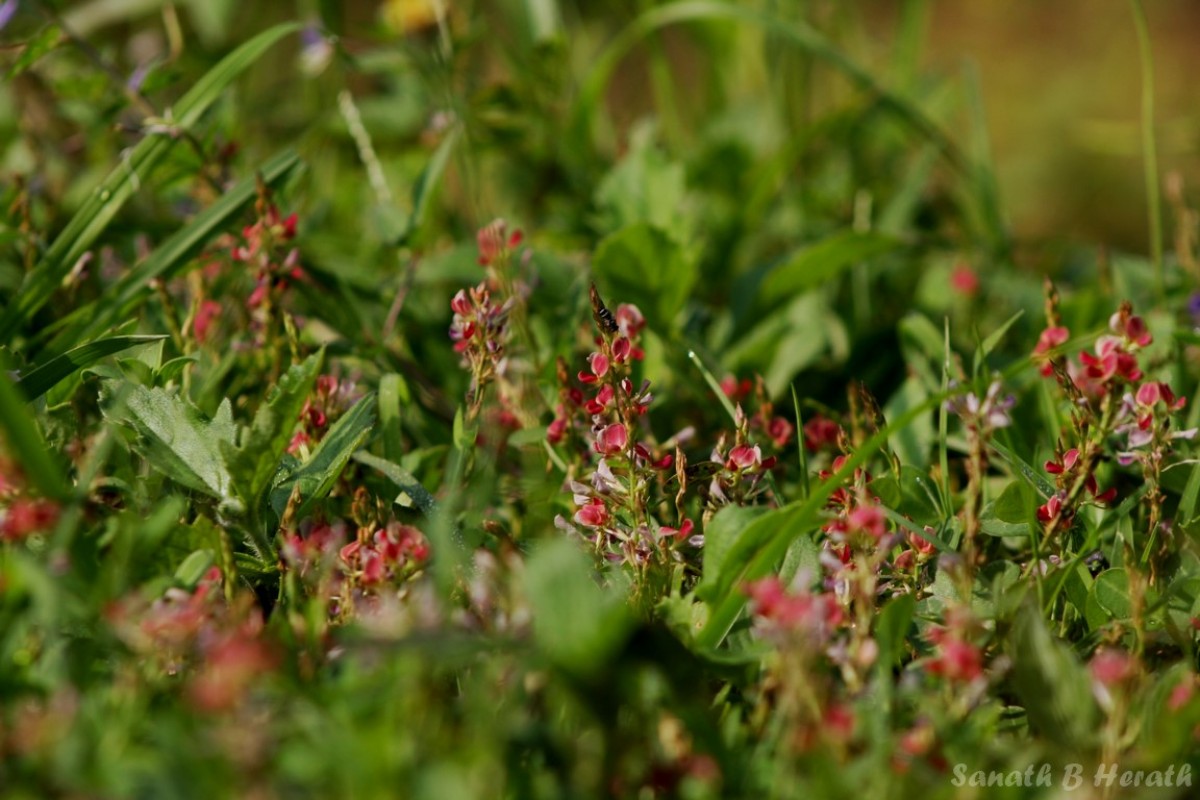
x=1053, y=686
x=256, y=460
x=1111, y=590
x=193, y=568
x=169, y=258
x=816, y=264
x=765, y=541
x=176, y=440
x=426, y=183
x=42, y=378
x=317, y=476
x=892, y=628
x=720, y=533
x=46, y=40
x=989, y=344
x=1009, y=514
x=393, y=396
x=642, y=264
x=24, y=438
x=645, y=187
x=412, y=493
x=578, y=625
x=106, y=200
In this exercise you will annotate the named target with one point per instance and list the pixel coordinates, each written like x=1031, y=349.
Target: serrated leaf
x=253, y=463
x=316, y=477
x=176, y=440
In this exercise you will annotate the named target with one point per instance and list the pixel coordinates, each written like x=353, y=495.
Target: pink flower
x=964, y=280
x=958, y=660
x=599, y=364
x=1050, y=338
x=819, y=433
x=612, y=440
x=682, y=532
x=592, y=515
x=556, y=431
x=205, y=314
x=25, y=517
x=744, y=457
x=1181, y=695
x=868, y=518
x=460, y=304
x=1110, y=666
x=780, y=431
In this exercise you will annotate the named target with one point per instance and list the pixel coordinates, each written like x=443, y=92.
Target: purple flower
x=8, y=10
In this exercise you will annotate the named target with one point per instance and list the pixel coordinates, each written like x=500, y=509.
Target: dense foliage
x=503, y=400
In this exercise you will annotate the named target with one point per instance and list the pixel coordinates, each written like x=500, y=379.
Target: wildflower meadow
x=552, y=399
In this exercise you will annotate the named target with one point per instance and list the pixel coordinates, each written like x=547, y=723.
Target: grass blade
x=42, y=378
x=109, y=197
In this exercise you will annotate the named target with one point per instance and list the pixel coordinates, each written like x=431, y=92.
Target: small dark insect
x=605, y=320
x=1096, y=563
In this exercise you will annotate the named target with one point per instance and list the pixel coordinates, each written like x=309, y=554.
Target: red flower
x=612, y=440
x=1050, y=338
x=964, y=280
x=780, y=431
x=25, y=517
x=744, y=457
x=820, y=432
x=1110, y=666
x=592, y=515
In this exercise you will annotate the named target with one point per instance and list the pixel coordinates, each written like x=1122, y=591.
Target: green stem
x=1149, y=148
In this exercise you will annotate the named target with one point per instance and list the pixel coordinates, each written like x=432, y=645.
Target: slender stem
x=1149, y=148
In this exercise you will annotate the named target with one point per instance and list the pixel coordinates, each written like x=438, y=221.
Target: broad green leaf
x=1053, y=686
x=1009, y=514
x=40, y=379
x=193, y=568
x=1111, y=590
x=642, y=264
x=891, y=629
x=316, y=477
x=253, y=463
x=720, y=533
x=815, y=265
x=176, y=440
x=578, y=625
x=107, y=199
x=412, y=493
x=644, y=187
x=169, y=259
x=25, y=439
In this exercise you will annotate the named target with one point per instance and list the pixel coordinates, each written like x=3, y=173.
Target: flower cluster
x=613, y=500
x=386, y=554
x=480, y=333
x=957, y=658
x=781, y=612
x=329, y=400
x=22, y=515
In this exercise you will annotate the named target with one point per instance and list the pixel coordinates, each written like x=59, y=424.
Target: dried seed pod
x=604, y=318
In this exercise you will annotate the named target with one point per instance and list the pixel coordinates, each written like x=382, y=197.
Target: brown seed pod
x=605, y=320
